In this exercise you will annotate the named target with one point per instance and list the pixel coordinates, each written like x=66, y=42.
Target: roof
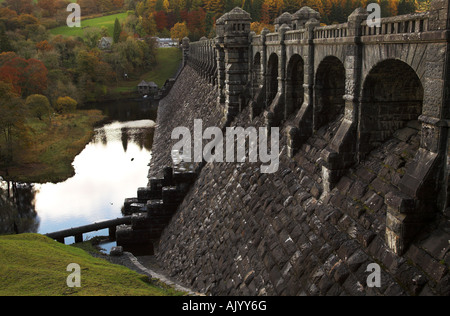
x=149, y=84
x=107, y=39
x=165, y=40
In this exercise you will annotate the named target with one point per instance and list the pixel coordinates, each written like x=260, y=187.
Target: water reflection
x=126, y=111
x=17, y=208
x=106, y=174
x=138, y=132
x=107, y=171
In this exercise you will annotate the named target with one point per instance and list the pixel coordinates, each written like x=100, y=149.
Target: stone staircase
x=152, y=210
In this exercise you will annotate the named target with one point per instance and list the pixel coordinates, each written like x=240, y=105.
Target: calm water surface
x=111, y=168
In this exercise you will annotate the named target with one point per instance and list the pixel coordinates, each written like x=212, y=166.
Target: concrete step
x=142, y=221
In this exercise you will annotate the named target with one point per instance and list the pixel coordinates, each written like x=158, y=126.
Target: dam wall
x=359, y=202
x=241, y=232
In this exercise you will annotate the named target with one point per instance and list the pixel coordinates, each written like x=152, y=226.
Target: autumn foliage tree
x=160, y=20
x=196, y=23
x=44, y=46
x=20, y=6
x=65, y=104
x=27, y=76
x=48, y=7
x=179, y=31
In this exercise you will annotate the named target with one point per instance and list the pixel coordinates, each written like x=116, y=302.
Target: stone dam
x=363, y=115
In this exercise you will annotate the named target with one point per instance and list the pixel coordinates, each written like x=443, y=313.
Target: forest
x=196, y=18
x=193, y=18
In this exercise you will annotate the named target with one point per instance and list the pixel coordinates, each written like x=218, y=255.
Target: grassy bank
x=32, y=264
x=52, y=146
x=167, y=63
x=106, y=21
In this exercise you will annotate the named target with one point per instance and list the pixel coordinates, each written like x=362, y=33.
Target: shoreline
x=50, y=158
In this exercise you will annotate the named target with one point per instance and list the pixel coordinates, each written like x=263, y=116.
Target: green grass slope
x=34, y=265
x=107, y=21
x=167, y=63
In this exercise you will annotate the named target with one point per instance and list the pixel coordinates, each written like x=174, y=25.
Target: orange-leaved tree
x=27, y=76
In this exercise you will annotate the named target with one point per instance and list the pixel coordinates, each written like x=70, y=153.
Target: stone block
x=127, y=205
x=116, y=251
x=430, y=265
x=400, y=203
x=357, y=259
x=437, y=244
x=140, y=221
x=357, y=190
x=137, y=208
x=126, y=235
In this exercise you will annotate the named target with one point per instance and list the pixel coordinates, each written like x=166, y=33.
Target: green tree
x=149, y=25
x=406, y=7
x=256, y=9
x=128, y=55
x=38, y=105
x=92, y=36
x=12, y=127
x=117, y=31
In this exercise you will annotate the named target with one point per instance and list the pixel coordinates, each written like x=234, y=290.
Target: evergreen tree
x=247, y=5
x=385, y=8
x=406, y=7
x=117, y=31
x=256, y=10
x=229, y=5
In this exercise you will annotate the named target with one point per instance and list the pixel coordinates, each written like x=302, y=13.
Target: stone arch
x=272, y=78
x=392, y=96
x=329, y=91
x=417, y=60
x=256, y=72
x=295, y=78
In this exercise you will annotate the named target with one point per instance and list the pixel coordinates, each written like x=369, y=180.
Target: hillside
x=32, y=264
x=106, y=21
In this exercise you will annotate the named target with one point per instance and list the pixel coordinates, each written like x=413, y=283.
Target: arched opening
x=256, y=73
x=329, y=92
x=294, y=84
x=272, y=78
x=392, y=96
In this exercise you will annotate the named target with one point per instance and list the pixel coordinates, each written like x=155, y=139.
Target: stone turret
x=302, y=16
x=233, y=31
x=285, y=18
x=237, y=23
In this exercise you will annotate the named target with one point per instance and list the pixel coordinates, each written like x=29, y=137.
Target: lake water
x=110, y=168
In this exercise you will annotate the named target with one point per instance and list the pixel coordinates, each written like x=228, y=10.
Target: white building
x=166, y=42
x=105, y=43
